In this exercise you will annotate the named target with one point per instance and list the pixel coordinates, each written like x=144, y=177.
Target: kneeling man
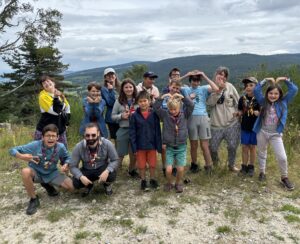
x=99, y=161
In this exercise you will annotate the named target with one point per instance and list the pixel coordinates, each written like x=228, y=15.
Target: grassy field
x=222, y=208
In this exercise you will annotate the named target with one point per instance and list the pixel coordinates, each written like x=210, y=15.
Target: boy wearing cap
x=248, y=109
x=148, y=85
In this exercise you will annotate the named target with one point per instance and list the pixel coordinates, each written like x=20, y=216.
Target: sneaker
x=52, y=192
x=232, y=168
x=244, y=170
x=154, y=184
x=208, y=169
x=250, y=170
x=144, y=185
x=87, y=190
x=194, y=168
x=287, y=184
x=168, y=187
x=174, y=171
x=108, y=189
x=134, y=174
x=262, y=176
x=178, y=188
x=164, y=172
x=34, y=203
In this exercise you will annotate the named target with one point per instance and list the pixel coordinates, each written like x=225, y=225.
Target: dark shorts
x=57, y=181
x=113, y=128
x=248, y=137
x=93, y=175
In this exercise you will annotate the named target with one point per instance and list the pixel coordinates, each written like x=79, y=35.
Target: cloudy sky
x=102, y=33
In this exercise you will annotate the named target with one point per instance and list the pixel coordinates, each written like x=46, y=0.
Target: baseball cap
x=250, y=80
x=150, y=74
x=108, y=70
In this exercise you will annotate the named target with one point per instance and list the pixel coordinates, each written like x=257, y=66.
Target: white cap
x=108, y=70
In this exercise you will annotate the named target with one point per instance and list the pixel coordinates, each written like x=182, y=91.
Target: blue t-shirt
x=202, y=94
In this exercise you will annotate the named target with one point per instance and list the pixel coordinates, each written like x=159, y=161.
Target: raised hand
x=278, y=79
x=270, y=79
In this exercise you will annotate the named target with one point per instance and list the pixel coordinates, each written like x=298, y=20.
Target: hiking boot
x=144, y=185
x=194, y=168
x=154, y=184
x=287, y=184
x=244, y=170
x=174, y=171
x=108, y=189
x=52, y=192
x=186, y=181
x=250, y=170
x=168, y=187
x=208, y=169
x=262, y=176
x=134, y=174
x=34, y=203
x=178, y=188
x=87, y=190
x=232, y=168
x=164, y=172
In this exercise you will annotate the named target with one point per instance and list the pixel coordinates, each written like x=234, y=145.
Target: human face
x=93, y=93
x=148, y=82
x=128, y=89
x=50, y=139
x=91, y=136
x=221, y=79
x=175, y=75
x=144, y=104
x=110, y=77
x=249, y=88
x=195, y=82
x=174, y=111
x=273, y=95
x=49, y=86
x=174, y=89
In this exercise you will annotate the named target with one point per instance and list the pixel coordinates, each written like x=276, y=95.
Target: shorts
x=176, y=154
x=57, y=181
x=248, y=137
x=113, y=128
x=123, y=142
x=146, y=156
x=199, y=127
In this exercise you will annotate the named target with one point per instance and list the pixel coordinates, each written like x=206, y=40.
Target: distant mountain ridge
x=238, y=64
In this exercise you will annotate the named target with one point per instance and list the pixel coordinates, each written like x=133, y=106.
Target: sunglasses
x=90, y=135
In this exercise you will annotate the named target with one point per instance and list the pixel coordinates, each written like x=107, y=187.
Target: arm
x=74, y=162
x=189, y=106
x=158, y=109
x=113, y=157
x=25, y=152
x=99, y=108
x=212, y=85
x=109, y=96
x=116, y=114
x=258, y=92
x=292, y=90
x=132, y=133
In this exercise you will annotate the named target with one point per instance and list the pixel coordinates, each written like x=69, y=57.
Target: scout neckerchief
x=176, y=121
x=49, y=162
x=248, y=106
x=93, y=155
x=130, y=106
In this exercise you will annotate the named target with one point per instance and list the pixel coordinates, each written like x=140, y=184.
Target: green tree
x=19, y=19
x=136, y=72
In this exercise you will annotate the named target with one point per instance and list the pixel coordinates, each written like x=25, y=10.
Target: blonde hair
x=174, y=103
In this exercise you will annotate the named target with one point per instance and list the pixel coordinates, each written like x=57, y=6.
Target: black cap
x=150, y=74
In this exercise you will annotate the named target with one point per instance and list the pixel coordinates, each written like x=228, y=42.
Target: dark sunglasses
x=90, y=135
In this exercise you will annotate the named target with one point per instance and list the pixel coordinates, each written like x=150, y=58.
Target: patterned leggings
x=232, y=137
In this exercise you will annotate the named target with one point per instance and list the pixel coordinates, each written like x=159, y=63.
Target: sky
x=104, y=33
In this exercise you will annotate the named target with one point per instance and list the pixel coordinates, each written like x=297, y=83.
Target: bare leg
x=67, y=184
x=132, y=162
x=169, y=173
x=206, y=152
x=142, y=173
x=245, y=154
x=179, y=175
x=193, y=150
x=252, y=154
x=27, y=177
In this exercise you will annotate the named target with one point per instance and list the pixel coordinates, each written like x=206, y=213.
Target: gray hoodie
x=107, y=155
x=170, y=137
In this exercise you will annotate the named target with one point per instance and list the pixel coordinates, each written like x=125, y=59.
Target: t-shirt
x=248, y=105
x=202, y=94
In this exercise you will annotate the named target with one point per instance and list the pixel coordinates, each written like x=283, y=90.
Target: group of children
x=136, y=114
